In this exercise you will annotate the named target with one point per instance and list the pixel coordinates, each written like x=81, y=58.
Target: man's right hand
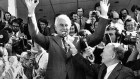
x=31, y=5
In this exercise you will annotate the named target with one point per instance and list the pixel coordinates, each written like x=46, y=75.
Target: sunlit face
x=130, y=26
x=107, y=54
x=7, y=16
x=62, y=26
x=80, y=12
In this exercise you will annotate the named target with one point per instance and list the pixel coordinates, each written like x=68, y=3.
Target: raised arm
x=98, y=35
x=33, y=28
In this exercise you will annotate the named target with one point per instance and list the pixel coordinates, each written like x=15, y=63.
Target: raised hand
x=104, y=7
x=31, y=5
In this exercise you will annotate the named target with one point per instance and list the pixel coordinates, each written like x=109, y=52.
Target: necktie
x=80, y=22
x=64, y=44
x=66, y=48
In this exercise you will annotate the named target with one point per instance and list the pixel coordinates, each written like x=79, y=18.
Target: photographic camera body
x=94, y=13
x=129, y=38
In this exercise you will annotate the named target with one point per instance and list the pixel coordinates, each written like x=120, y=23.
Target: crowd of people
x=106, y=45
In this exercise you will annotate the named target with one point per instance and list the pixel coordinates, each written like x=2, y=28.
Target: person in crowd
x=133, y=60
x=90, y=22
x=111, y=67
x=116, y=21
x=73, y=17
x=41, y=58
x=124, y=14
x=60, y=65
x=43, y=26
x=136, y=10
x=81, y=20
x=73, y=30
x=130, y=25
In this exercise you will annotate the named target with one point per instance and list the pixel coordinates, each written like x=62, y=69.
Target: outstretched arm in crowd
x=98, y=35
x=33, y=28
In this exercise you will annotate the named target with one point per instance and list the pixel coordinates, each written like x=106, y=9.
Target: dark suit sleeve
x=90, y=69
x=134, y=65
x=98, y=35
x=37, y=36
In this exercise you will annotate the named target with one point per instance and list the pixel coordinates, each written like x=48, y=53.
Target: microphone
x=91, y=56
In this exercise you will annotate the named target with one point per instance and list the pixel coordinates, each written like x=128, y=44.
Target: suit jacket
x=59, y=65
x=119, y=72
x=83, y=21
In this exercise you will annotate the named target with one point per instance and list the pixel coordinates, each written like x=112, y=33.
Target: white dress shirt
x=42, y=59
x=109, y=70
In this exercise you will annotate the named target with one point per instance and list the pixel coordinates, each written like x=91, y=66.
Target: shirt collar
x=111, y=67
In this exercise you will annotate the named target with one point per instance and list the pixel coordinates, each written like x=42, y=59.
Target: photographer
x=91, y=20
x=18, y=39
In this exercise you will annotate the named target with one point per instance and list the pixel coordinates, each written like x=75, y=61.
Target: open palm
x=31, y=5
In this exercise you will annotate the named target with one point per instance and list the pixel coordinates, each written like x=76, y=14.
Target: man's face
x=107, y=54
x=74, y=17
x=124, y=13
x=115, y=19
x=136, y=12
x=80, y=12
x=42, y=25
x=7, y=16
x=62, y=27
x=130, y=26
x=15, y=27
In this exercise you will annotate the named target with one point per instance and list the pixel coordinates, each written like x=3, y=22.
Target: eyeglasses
x=115, y=18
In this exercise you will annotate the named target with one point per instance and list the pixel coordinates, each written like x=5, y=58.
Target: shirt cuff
x=105, y=17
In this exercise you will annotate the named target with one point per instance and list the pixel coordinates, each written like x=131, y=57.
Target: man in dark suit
x=60, y=65
x=111, y=67
x=111, y=57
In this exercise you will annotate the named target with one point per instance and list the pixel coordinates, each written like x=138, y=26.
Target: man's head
x=130, y=25
x=42, y=23
x=114, y=16
x=112, y=53
x=62, y=25
x=124, y=12
x=7, y=16
x=97, y=6
x=80, y=12
x=73, y=16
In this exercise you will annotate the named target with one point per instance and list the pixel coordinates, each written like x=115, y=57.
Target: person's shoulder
x=126, y=70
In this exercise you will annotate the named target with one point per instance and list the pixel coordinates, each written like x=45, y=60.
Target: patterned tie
x=66, y=48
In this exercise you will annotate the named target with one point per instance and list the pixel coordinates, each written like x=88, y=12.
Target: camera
x=20, y=45
x=129, y=38
x=94, y=13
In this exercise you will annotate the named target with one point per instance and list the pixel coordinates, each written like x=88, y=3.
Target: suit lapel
x=58, y=41
x=115, y=73
x=103, y=67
